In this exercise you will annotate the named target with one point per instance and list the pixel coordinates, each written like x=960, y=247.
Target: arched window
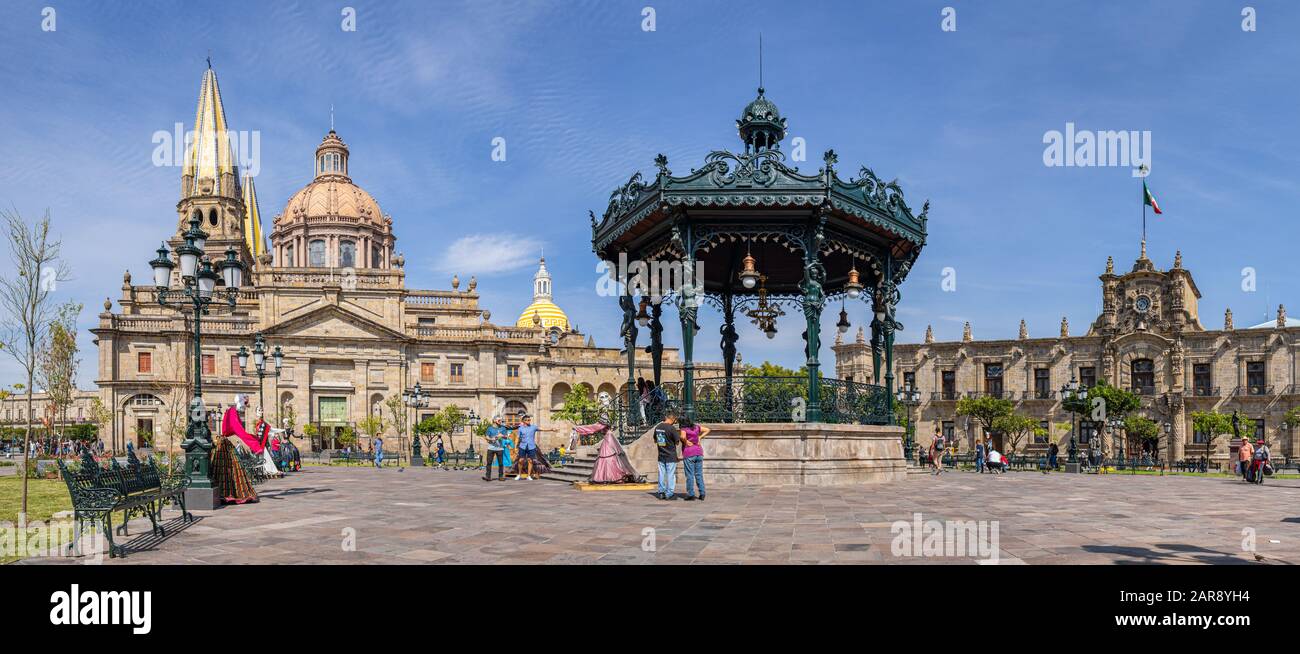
x=558, y=392
x=514, y=410
x=288, y=256
x=316, y=253
x=1144, y=376
x=212, y=217
x=347, y=254
x=376, y=257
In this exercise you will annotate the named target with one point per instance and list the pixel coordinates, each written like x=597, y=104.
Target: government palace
x=1148, y=338
x=329, y=290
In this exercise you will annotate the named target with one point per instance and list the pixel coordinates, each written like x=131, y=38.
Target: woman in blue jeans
x=693, y=457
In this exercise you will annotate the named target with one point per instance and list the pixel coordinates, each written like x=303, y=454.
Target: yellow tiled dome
x=550, y=315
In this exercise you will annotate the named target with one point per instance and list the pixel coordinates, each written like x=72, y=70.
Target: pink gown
x=232, y=426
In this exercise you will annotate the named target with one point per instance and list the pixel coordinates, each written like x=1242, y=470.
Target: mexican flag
x=1149, y=199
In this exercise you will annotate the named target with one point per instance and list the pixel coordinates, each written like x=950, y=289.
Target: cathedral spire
x=252, y=220
x=210, y=167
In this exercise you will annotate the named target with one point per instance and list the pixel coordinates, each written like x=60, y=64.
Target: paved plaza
x=362, y=515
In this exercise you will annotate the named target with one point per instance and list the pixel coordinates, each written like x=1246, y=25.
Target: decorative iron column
x=656, y=347
x=729, y=338
x=814, y=300
x=876, y=342
x=629, y=345
x=890, y=297
x=687, y=310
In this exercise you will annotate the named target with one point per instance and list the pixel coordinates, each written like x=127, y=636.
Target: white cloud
x=488, y=254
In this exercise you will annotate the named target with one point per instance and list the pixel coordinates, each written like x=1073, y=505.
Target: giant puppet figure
x=270, y=447
x=228, y=476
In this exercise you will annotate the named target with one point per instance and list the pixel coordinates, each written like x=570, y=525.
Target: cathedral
x=327, y=287
x=1148, y=338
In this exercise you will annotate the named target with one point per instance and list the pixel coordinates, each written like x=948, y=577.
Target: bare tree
x=26, y=308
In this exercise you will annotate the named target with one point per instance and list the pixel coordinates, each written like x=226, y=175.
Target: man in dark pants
x=495, y=451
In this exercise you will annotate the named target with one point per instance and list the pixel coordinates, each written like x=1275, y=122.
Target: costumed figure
x=228, y=476
x=612, y=465
x=289, y=452
x=507, y=450
x=262, y=432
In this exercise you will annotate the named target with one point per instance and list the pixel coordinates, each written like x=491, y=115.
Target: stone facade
x=330, y=292
x=13, y=409
x=1148, y=338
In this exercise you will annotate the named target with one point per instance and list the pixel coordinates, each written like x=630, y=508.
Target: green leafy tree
x=579, y=407
x=986, y=410
x=396, y=416
x=372, y=426
x=1016, y=429
x=311, y=432
x=347, y=436
x=1292, y=418
x=1213, y=424
x=1141, y=430
x=57, y=361
x=447, y=421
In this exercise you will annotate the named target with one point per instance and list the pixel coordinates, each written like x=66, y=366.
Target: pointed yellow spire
x=209, y=155
x=252, y=220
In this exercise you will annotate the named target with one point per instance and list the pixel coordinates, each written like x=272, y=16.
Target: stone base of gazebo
x=811, y=454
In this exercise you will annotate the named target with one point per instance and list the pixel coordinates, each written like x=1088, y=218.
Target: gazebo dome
x=760, y=124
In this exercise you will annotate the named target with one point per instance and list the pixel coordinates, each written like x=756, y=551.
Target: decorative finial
x=760, y=63
x=537, y=319
x=966, y=334
x=830, y=158
x=126, y=277
x=839, y=338
x=1110, y=265
x=455, y=282
x=661, y=162
x=209, y=59
x=1144, y=249
x=1065, y=327
x=473, y=283
x=929, y=334
x=1178, y=259
x=1281, y=316
x=331, y=116
x=487, y=315
x=1024, y=330
x=108, y=304
x=861, y=338
x=1227, y=320
x=592, y=214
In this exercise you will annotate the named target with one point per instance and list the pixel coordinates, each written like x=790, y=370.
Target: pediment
x=335, y=323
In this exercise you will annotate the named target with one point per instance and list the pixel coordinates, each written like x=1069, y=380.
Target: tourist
x=441, y=451
x=1052, y=452
x=379, y=451
x=1245, y=457
x=997, y=462
x=527, y=447
x=936, y=452
x=1261, y=457
x=643, y=396
x=667, y=436
x=693, y=457
x=495, y=450
x=979, y=455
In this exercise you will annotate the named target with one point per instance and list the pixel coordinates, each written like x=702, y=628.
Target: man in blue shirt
x=379, y=452
x=495, y=451
x=527, y=445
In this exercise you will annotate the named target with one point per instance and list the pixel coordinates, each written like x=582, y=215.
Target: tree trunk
x=27, y=440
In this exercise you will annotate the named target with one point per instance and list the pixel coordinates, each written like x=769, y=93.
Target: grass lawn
x=45, y=497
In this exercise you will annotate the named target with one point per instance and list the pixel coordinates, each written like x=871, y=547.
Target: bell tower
x=210, y=184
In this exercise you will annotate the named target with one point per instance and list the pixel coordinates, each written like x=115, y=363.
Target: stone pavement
x=435, y=516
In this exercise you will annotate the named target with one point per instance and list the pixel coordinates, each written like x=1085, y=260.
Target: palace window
x=1201, y=379
x=1144, y=376
x=909, y=381
x=376, y=257
x=949, y=431
x=209, y=364
x=428, y=370
x=1042, y=383
x=144, y=362
x=949, y=380
x=513, y=412
x=1087, y=377
x=1259, y=429
x=457, y=373
x=1087, y=430
x=1200, y=437
x=234, y=366
x=288, y=257
x=993, y=379
x=512, y=373
x=316, y=253
x=1255, y=377
x=347, y=254
x=1041, y=439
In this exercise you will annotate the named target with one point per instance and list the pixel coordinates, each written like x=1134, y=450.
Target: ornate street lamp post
x=259, y=364
x=910, y=398
x=197, y=292
x=414, y=398
x=472, y=421
x=1073, y=393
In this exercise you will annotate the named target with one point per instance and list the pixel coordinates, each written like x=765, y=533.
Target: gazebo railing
x=750, y=399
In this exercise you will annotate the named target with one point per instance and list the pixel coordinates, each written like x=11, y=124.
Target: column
x=687, y=311
x=656, y=347
x=814, y=300
x=729, y=338
x=632, y=410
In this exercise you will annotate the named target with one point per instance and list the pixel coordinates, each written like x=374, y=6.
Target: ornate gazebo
x=753, y=236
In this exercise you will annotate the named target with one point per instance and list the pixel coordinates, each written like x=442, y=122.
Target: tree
x=1016, y=429
x=26, y=306
x=372, y=425
x=56, y=363
x=1213, y=424
x=986, y=410
x=579, y=407
x=101, y=415
x=397, y=417
x=310, y=431
x=1104, y=402
x=1142, y=430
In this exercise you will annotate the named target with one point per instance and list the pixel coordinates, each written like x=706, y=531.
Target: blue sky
x=584, y=97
